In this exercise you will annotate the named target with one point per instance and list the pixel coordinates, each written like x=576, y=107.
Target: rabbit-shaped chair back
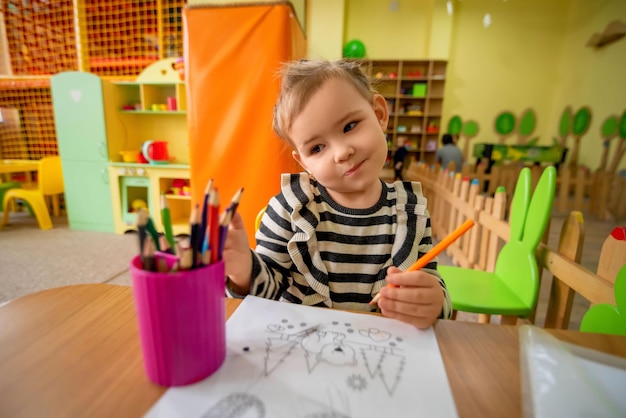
x=606, y=318
x=529, y=217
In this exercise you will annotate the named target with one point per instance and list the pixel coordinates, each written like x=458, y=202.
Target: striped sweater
x=313, y=251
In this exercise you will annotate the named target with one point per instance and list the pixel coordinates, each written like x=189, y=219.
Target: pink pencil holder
x=182, y=322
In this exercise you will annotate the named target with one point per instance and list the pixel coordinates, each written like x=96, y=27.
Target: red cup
x=182, y=322
x=155, y=152
x=171, y=103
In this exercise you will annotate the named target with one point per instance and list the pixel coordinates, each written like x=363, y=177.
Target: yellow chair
x=5, y=187
x=257, y=220
x=49, y=183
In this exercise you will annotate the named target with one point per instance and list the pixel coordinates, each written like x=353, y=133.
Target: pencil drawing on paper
x=246, y=405
x=237, y=405
x=337, y=345
x=286, y=360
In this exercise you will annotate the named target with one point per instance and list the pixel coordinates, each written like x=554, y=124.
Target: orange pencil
x=435, y=251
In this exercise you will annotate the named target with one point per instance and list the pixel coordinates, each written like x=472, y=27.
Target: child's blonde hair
x=302, y=79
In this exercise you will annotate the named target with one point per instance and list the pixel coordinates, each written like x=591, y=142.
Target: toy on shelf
x=414, y=110
x=433, y=127
x=130, y=156
x=155, y=152
x=138, y=204
x=180, y=187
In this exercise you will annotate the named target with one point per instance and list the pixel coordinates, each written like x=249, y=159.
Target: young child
x=336, y=235
x=449, y=152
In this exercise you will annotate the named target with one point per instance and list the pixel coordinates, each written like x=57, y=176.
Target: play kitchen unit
x=122, y=145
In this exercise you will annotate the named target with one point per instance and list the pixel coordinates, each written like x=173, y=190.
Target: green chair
x=605, y=318
x=512, y=289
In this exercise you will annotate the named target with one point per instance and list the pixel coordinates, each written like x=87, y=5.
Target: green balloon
x=354, y=49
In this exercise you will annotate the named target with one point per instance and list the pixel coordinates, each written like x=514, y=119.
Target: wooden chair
x=606, y=318
x=613, y=254
x=49, y=184
x=511, y=290
x=561, y=297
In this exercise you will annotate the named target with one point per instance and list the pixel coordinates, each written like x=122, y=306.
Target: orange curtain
x=232, y=55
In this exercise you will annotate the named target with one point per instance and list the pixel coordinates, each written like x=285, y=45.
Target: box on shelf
x=419, y=90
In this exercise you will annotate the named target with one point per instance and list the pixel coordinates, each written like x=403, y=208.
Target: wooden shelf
x=410, y=85
x=177, y=197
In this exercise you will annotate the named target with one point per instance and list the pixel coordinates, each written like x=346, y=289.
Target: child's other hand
x=236, y=255
x=417, y=301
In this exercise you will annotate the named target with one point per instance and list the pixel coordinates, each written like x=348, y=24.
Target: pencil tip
x=209, y=186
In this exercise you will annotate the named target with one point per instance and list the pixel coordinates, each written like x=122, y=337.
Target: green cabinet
x=79, y=115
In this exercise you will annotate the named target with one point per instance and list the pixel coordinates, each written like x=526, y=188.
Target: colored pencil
x=224, y=222
x=186, y=258
x=142, y=220
x=166, y=218
x=194, y=245
x=153, y=233
x=205, y=212
x=234, y=202
x=205, y=255
x=214, y=225
x=147, y=256
x=435, y=251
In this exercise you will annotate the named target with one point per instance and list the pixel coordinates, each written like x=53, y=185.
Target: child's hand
x=237, y=257
x=418, y=301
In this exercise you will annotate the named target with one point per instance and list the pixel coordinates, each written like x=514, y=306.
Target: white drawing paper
x=287, y=360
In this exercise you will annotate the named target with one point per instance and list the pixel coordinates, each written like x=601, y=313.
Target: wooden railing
x=601, y=194
x=453, y=198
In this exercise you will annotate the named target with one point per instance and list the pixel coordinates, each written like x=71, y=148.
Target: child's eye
x=349, y=127
x=316, y=149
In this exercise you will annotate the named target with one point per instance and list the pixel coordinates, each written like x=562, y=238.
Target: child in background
x=336, y=235
x=449, y=153
x=398, y=161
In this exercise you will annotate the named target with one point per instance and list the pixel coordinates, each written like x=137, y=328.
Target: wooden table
x=74, y=351
x=18, y=166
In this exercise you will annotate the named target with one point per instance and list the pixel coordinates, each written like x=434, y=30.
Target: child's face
x=339, y=138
